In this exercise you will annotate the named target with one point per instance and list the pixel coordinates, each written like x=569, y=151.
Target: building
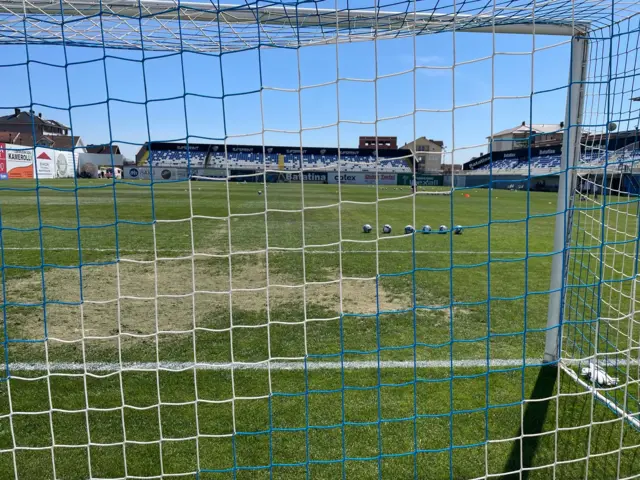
x=24, y=122
x=104, y=149
x=446, y=167
x=539, y=134
x=102, y=156
x=427, y=153
x=60, y=142
x=384, y=143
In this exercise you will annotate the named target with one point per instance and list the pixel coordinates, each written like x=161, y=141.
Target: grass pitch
x=135, y=282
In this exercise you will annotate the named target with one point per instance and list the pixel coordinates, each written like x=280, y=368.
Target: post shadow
x=532, y=424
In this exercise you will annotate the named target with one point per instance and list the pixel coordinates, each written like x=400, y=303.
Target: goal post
x=566, y=190
x=592, y=327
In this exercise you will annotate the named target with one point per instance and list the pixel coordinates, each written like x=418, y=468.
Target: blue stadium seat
x=240, y=160
x=176, y=158
x=588, y=159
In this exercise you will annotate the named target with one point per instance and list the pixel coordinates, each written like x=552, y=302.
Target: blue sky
x=154, y=100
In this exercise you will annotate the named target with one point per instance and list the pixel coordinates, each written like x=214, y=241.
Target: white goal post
x=597, y=219
x=566, y=190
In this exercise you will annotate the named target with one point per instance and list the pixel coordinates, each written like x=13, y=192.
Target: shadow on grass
x=523, y=451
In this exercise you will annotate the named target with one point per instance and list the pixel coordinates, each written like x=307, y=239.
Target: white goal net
x=319, y=239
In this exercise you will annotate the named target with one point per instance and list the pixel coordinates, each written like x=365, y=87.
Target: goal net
x=601, y=336
x=319, y=239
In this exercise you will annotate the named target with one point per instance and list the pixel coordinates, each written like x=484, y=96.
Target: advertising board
x=359, y=178
x=383, y=178
x=158, y=173
x=345, y=178
x=17, y=161
x=421, y=179
x=45, y=167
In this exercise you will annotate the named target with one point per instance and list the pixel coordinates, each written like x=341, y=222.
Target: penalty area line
x=274, y=365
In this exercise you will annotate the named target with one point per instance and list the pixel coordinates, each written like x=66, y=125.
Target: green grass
x=244, y=296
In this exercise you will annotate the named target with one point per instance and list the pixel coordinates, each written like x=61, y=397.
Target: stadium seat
x=549, y=162
x=241, y=160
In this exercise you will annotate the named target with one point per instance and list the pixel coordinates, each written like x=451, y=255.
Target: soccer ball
x=442, y=229
x=408, y=229
x=386, y=228
x=458, y=230
x=366, y=228
x=426, y=229
x=259, y=192
x=612, y=126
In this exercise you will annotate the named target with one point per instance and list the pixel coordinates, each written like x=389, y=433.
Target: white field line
x=275, y=249
x=312, y=251
x=276, y=365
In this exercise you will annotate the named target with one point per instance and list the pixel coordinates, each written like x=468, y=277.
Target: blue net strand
x=215, y=311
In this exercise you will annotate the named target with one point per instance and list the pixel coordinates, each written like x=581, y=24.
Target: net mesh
x=219, y=312
x=215, y=27
x=600, y=309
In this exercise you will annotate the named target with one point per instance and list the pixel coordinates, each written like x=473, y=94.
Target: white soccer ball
x=612, y=126
x=408, y=229
x=442, y=229
x=426, y=229
x=458, y=230
x=366, y=228
x=259, y=192
x=386, y=228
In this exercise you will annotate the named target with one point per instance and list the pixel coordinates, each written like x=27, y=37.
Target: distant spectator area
x=548, y=159
x=257, y=157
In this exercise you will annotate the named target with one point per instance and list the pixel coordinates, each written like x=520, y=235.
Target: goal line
x=279, y=365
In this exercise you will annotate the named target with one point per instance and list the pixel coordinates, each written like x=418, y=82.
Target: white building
x=518, y=137
x=427, y=152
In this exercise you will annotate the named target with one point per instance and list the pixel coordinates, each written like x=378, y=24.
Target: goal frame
x=156, y=24
x=564, y=204
x=359, y=25
x=334, y=27
x=571, y=151
x=308, y=17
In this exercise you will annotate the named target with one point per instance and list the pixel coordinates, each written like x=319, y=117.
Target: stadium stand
x=546, y=161
x=270, y=161
x=505, y=164
x=550, y=162
x=617, y=153
x=175, y=158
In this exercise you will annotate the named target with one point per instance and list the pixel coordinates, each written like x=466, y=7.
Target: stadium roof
x=534, y=128
x=104, y=149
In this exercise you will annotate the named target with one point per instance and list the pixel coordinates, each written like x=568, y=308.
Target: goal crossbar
x=518, y=21
x=207, y=27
